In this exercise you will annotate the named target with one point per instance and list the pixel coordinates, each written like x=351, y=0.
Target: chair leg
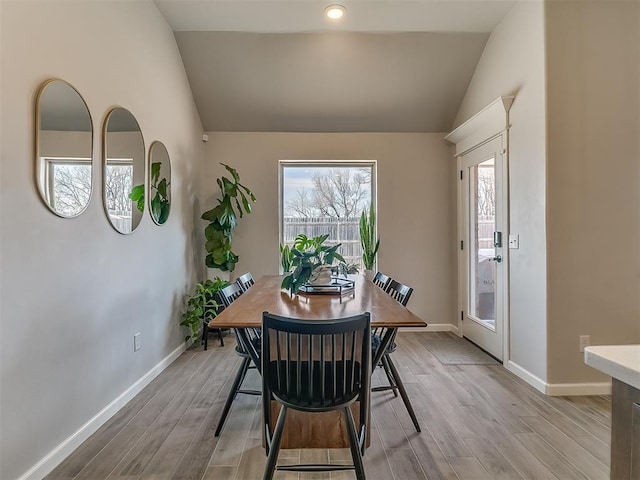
x=392, y=381
x=205, y=335
x=242, y=372
x=220, y=337
x=354, y=445
x=275, y=445
x=403, y=393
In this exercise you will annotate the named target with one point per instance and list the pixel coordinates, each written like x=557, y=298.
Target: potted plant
x=346, y=269
x=286, y=258
x=223, y=219
x=202, y=305
x=368, y=241
x=312, y=261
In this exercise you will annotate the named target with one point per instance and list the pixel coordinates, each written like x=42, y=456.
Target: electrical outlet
x=137, y=343
x=585, y=341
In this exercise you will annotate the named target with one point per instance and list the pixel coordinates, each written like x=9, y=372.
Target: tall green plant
x=223, y=219
x=368, y=239
x=286, y=258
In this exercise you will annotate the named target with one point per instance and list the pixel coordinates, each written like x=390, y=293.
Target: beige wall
x=593, y=109
x=513, y=64
x=416, y=212
x=73, y=291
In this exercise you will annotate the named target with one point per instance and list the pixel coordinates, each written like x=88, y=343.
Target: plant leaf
x=156, y=206
x=162, y=188
x=164, y=213
x=137, y=192
x=155, y=171
x=232, y=171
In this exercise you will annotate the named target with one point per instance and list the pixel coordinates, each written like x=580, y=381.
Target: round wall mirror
x=159, y=183
x=64, y=146
x=124, y=170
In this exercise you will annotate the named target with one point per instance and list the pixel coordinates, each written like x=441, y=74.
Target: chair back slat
x=245, y=281
x=401, y=293
x=230, y=293
x=382, y=280
x=325, y=362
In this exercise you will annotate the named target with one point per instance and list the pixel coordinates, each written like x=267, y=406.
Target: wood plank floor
x=478, y=422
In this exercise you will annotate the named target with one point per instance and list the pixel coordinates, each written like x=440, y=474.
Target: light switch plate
x=514, y=241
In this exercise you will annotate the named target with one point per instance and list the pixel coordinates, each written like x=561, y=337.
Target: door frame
x=488, y=124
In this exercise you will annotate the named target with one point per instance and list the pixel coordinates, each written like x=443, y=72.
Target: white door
x=483, y=245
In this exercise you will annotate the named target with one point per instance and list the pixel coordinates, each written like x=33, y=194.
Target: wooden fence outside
x=341, y=230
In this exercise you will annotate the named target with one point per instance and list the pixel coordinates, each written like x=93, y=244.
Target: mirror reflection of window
x=124, y=170
x=68, y=184
x=64, y=145
x=118, y=182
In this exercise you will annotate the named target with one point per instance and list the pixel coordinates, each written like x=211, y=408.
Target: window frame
x=282, y=164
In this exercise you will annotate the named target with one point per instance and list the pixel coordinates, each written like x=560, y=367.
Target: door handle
x=497, y=258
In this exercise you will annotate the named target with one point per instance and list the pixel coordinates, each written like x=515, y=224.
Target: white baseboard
x=559, y=389
x=569, y=389
x=62, y=451
x=433, y=327
x=527, y=376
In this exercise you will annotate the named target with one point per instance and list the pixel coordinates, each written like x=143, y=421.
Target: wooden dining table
x=317, y=430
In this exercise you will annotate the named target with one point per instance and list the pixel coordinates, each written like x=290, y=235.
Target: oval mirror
x=124, y=170
x=64, y=145
x=159, y=182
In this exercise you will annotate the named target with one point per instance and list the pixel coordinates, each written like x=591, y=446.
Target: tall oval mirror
x=64, y=145
x=124, y=170
x=159, y=182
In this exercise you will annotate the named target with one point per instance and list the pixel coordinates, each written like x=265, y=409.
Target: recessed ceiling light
x=334, y=12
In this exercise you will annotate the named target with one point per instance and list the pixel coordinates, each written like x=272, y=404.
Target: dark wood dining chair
x=245, y=281
x=316, y=366
x=382, y=280
x=228, y=295
x=401, y=293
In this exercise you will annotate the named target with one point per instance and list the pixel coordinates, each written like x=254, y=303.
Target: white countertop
x=622, y=362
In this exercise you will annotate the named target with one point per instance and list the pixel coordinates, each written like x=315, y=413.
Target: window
x=326, y=198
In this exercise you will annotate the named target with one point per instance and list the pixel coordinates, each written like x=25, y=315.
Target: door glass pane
x=482, y=268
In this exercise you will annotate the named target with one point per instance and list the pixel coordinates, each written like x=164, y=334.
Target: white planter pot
x=369, y=274
x=321, y=276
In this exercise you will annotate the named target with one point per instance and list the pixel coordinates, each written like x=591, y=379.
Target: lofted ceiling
x=281, y=66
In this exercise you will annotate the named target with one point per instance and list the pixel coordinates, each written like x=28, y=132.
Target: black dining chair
x=316, y=366
x=401, y=293
x=382, y=280
x=205, y=324
x=245, y=281
x=228, y=295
